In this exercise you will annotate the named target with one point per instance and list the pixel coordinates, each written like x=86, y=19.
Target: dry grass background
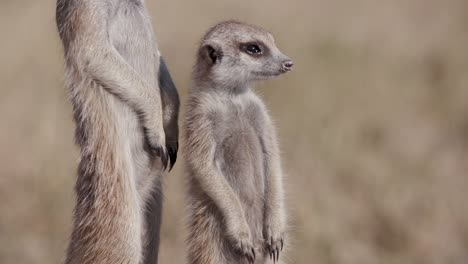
x=373, y=125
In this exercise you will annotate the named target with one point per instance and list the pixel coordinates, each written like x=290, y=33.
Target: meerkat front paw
x=243, y=242
x=157, y=142
x=244, y=245
x=274, y=239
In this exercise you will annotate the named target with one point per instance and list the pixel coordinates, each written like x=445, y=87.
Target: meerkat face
x=237, y=53
x=261, y=58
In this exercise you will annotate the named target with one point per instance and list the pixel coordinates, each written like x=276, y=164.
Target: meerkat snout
x=287, y=65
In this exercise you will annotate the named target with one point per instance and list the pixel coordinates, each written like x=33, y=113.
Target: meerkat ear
x=213, y=53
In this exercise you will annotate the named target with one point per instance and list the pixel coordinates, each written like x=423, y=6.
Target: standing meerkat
x=126, y=109
x=235, y=191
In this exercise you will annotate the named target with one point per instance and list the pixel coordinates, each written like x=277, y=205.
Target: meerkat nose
x=287, y=65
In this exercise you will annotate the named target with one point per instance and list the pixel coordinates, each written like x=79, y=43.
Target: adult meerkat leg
x=153, y=224
x=106, y=227
x=274, y=219
x=201, y=146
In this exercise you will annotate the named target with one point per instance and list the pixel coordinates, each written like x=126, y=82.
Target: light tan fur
x=235, y=192
x=126, y=108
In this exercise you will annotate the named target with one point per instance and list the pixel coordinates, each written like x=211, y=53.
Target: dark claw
x=253, y=253
x=164, y=158
x=277, y=254
x=250, y=258
x=172, y=151
x=269, y=250
x=282, y=244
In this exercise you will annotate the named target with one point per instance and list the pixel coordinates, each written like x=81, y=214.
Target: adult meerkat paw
x=274, y=240
x=157, y=144
x=243, y=243
x=159, y=151
x=172, y=149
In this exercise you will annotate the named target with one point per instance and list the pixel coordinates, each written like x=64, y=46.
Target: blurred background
x=373, y=123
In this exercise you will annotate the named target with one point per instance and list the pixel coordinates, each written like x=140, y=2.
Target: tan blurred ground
x=373, y=124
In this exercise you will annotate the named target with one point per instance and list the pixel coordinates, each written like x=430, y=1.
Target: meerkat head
x=234, y=54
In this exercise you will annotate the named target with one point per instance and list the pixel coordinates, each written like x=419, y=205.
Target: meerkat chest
x=131, y=34
x=240, y=152
x=240, y=120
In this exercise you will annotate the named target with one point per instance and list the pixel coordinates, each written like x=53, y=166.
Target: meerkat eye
x=252, y=49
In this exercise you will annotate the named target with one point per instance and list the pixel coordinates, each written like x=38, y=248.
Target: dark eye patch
x=253, y=48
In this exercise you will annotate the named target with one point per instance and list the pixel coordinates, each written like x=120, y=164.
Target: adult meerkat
x=235, y=191
x=126, y=110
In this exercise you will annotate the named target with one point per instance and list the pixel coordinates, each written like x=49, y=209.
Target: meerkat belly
x=242, y=164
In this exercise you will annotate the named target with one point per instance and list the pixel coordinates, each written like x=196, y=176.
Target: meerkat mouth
x=267, y=74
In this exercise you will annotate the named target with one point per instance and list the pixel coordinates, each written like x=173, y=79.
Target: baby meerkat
x=235, y=191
